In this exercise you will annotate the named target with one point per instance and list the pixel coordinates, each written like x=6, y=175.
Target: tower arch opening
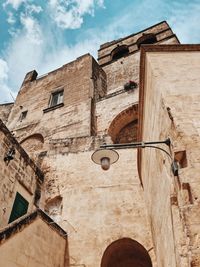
x=126, y=252
x=147, y=39
x=119, y=51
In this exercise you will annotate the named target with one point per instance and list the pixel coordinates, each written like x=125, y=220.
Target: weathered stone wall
x=19, y=175
x=5, y=111
x=170, y=104
x=35, y=245
x=95, y=207
x=162, y=32
x=72, y=118
x=123, y=70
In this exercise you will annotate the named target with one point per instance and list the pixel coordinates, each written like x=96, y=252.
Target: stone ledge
x=52, y=108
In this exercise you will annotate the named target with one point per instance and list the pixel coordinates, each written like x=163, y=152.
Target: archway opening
x=119, y=52
x=126, y=252
x=147, y=39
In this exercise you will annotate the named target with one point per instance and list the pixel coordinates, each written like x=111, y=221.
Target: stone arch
x=119, y=51
x=126, y=252
x=123, y=129
x=146, y=39
x=33, y=143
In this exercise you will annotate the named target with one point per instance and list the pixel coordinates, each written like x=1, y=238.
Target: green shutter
x=19, y=208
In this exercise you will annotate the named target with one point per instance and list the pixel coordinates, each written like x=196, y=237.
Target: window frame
x=19, y=208
x=59, y=99
x=59, y=104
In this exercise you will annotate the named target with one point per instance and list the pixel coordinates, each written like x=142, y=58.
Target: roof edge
x=103, y=46
x=18, y=225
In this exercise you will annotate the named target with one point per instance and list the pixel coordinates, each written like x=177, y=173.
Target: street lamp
x=106, y=155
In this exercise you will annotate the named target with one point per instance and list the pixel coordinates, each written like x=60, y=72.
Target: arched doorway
x=126, y=252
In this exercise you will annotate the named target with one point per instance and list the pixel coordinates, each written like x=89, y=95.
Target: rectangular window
x=23, y=115
x=56, y=98
x=20, y=207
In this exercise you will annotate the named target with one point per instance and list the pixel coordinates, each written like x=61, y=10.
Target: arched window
x=147, y=39
x=119, y=52
x=126, y=252
x=123, y=129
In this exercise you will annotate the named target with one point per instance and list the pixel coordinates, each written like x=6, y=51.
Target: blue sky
x=45, y=34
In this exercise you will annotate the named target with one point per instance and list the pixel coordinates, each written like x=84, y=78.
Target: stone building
x=58, y=208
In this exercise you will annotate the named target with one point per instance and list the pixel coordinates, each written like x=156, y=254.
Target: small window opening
x=181, y=158
x=119, y=52
x=146, y=39
x=20, y=207
x=56, y=98
x=23, y=115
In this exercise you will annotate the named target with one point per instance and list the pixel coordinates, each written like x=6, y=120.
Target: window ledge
x=53, y=107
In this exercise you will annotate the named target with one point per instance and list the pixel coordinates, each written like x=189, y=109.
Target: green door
x=19, y=208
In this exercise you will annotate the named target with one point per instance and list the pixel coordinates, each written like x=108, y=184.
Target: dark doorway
x=126, y=252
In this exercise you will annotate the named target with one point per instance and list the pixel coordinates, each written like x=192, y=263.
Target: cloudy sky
x=45, y=34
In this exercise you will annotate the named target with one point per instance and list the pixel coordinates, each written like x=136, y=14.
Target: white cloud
x=69, y=14
x=33, y=9
x=31, y=29
x=3, y=70
x=14, y=3
x=5, y=92
x=11, y=19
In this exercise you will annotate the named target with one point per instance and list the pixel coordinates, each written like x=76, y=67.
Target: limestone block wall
x=122, y=71
x=70, y=118
x=19, y=175
x=37, y=244
x=119, y=71
x=96, y=207
x=169, y=101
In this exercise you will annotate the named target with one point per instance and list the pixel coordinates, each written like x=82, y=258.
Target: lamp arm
x=174, y=165
x=135, y=145
x=160, y=148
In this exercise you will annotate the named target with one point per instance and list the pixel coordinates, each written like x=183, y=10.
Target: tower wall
x=96, y=208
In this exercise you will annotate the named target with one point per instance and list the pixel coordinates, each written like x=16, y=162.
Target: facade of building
x=144, y=87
